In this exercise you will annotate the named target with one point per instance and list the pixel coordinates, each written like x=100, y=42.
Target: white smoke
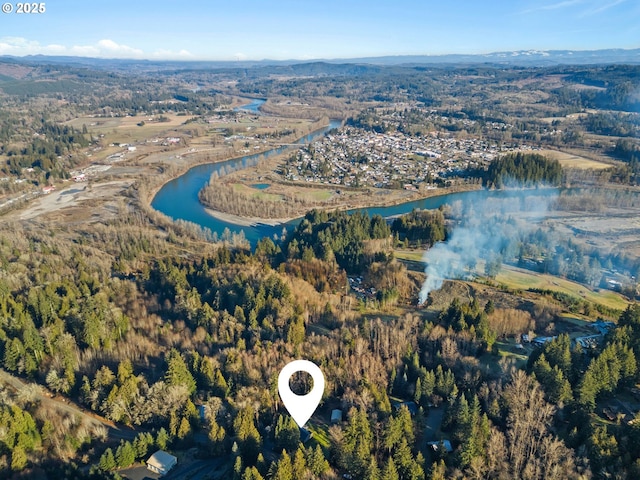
x=491, y=224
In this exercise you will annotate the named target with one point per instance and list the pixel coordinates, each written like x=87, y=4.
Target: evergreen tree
x=125, y=455
x=357, y=443
x=217, y=437
x=18, y=458
x=299, y=466
x=252, y=473
x=284, y=469
x=287, y=433
x=162, y=439
x=178, y=373
x=107, y=461
x=390, y=471
x=316, y=461
x=248, y=435
x=438, y=471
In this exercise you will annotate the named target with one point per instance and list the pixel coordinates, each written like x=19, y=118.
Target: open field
x=508, y=349
x=571, y=160
x=256, y=193
x=76, y=202
x=410, y=255
x=126, y=129
x=519, y=279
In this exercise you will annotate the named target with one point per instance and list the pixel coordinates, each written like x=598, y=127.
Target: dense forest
x=49, y=143
x=128, y=333
x=522, y=169
x=214, y=328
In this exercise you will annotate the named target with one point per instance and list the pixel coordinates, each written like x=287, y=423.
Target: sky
x=310, y=29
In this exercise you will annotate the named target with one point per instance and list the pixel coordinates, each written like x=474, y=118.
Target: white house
x=161, y=462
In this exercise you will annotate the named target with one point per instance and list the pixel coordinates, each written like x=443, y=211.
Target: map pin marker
x=301, y=407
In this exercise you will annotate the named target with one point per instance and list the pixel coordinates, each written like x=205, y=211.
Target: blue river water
x=178, y=198
x=253, y=106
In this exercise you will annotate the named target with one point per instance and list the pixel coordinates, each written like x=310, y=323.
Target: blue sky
x=304, y=29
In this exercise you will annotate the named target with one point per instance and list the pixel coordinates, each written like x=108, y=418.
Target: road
x=40, y=394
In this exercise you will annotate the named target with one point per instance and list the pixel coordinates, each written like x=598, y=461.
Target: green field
x=320, y=195
x=409, y=255
x=255, y=193
x=320, y=434
x=518, y=279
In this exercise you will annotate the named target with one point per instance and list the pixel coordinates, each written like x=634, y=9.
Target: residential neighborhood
x=356, y=157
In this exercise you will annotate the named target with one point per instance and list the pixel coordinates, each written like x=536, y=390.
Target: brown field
x=571, y=160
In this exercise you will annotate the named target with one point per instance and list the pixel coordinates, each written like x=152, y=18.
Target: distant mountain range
x=514, y=58
x=520, y=57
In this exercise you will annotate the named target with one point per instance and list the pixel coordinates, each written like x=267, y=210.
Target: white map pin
x=301, y=407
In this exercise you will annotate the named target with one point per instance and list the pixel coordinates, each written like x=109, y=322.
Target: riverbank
x=246, y=221
x=252, y=221
x=189, y=161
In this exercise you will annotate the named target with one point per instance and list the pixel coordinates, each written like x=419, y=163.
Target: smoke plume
x=489, y=226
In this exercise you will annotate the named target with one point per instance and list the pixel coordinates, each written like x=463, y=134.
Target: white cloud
x=105, y=48
x=172, y=55
x=112, y=48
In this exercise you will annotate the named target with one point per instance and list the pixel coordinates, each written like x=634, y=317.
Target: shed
x=161, y=462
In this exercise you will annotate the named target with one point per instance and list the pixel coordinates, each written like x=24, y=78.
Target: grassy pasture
x=523, y=280
x=126, y=129
x=256, y=193
x=570, y=160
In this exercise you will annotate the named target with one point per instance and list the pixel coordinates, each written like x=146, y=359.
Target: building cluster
x=601, y=328
x=358, y=158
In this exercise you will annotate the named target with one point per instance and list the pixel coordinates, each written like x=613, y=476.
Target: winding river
x=178, y=198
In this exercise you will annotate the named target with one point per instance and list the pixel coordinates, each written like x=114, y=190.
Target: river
x=253, y=106
x=178, y=198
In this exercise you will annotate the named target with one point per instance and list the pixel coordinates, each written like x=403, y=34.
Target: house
x=161, y=462
x=336, y=416
x=602, y=326
x=590, y=341
x=47, y=190
x=539, y=341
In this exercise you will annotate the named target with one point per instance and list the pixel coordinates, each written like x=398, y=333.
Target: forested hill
x=523, y=169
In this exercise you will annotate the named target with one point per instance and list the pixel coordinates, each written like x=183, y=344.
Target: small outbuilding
x=161, y=462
